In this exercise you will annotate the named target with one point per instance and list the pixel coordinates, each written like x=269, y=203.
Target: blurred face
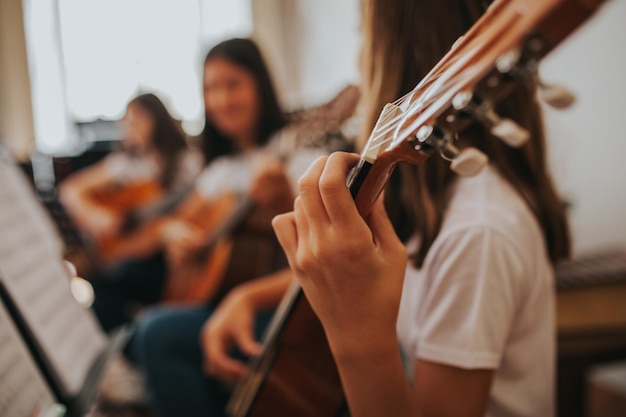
x=138, y=128
x=231, y=99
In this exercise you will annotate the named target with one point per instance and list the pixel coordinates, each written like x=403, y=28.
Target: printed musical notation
x=36, y=279
x=23, y=390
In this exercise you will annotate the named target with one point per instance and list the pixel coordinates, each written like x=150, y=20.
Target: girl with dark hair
x=153, y=149
x=472, y=311
x=244, y=128
x=242, y=54
x=153, y=165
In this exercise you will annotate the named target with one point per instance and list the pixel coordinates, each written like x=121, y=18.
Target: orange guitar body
x=197, y=280
x=122, y=201
x=236, y=254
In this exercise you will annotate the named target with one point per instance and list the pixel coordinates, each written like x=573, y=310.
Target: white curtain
x=88, y=58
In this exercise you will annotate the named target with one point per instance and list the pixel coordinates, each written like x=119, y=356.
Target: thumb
x=380, y=225
x=245, y=341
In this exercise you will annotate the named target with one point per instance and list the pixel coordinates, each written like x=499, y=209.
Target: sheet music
x=37, y=281
x=23, y=390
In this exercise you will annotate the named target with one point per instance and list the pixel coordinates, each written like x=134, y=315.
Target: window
x=88, y=58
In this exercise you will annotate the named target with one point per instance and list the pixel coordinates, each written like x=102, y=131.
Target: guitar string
x=471, y=72
x=432, y=82
x=422, y=101
x=425, y=99
x=391, y=124
x=380, y=137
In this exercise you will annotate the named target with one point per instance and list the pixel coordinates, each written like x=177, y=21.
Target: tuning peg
x=507, y=130
x=469, y=162
x=508, y=61
x=466, y=162
x=555, y=95
x=503, y=128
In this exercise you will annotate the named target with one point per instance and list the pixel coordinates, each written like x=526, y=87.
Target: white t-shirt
x=234, y=173
x=125, y=168
x=484, y=297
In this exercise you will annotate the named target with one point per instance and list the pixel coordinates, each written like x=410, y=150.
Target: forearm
x=74, y=192
x=77, y=204
x=265, y=292
x=374, y=381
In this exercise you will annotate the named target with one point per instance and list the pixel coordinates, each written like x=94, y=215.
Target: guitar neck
x=239, y=213
x=367, y=180
x=165, y=206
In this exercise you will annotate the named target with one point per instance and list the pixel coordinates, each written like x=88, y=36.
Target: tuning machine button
x=509, y=62
x=512, y=64
x=469, y=162
x=554, y=95
x=466, y=162
x=503, y=128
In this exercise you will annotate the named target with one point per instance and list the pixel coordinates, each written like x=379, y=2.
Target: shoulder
x=230, y=173
x=490, y=240
x=488, y=204
x=190, y=161
x=191, y=156
x=115, y=160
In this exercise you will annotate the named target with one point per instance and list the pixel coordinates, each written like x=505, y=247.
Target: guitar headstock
x=500, y=50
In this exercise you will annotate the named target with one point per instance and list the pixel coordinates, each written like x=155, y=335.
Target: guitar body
x=236, y=227
x=197, y=280
x=296, y=375
x=123, y=201
x=214, y=271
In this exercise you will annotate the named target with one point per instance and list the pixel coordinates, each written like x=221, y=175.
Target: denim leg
x=166, y=347
x=121, y=290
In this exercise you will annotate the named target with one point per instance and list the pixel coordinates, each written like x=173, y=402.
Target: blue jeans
x=166, y=347
x=122, y=290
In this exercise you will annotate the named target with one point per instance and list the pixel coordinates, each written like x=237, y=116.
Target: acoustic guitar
x=211, y=274
x=295, y=375
x=142, y=206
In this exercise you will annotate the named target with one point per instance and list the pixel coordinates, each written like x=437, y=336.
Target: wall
x=269, y=28
x=326, y=41
x=16, y=121
x=588, y=141
x=312, y=46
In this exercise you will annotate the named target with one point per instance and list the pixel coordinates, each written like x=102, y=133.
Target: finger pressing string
x=309, y=198
x=285, y=227
x=338, y=202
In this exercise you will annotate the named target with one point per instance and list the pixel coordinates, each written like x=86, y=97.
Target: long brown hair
x=167, y=138
x=403, y=40
x=245, y=54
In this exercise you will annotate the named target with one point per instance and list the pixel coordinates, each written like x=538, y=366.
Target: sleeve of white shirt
x=224, y=175
x=300, y=162
x=471, y=290
x=188, y=167
x=115, y=165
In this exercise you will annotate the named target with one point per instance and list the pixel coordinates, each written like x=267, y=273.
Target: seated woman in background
x=154, y=151
x=153, y=166
x=244, y=118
